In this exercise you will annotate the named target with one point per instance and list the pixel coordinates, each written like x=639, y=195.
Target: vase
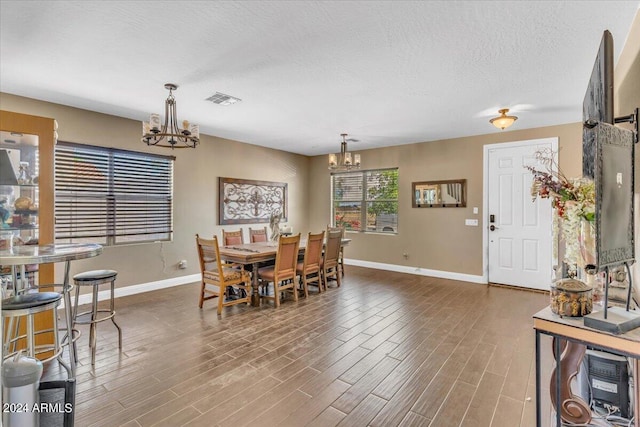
x=587, y=240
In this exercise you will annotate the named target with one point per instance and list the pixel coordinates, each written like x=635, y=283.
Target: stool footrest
x=76, y=335
x=98, y=320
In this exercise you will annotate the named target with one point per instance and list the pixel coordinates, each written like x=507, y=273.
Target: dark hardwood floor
x=385, y=349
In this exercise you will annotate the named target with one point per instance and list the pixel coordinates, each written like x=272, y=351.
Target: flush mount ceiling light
x=344, y=160
x=170, y=134
x=503, y=121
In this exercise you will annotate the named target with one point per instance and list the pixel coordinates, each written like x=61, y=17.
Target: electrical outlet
x=182, y=265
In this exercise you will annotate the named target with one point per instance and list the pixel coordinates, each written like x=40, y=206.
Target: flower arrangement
x=573, y=201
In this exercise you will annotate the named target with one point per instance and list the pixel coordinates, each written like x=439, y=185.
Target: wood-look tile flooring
x=385, y=349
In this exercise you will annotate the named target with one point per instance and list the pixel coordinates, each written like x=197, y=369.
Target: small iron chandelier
x=344, y=160
x=169, y=134
x=503, y=121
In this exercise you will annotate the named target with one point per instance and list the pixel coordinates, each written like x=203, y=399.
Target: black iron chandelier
x=169, y=134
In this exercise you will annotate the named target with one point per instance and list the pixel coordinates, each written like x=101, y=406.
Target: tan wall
x=436, y=238
x=195, y=187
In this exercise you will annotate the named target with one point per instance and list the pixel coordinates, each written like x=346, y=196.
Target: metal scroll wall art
x=244, y=201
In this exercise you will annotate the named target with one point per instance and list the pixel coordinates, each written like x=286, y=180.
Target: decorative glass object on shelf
x=573, y=202
x=19, y=193
x=570, y=297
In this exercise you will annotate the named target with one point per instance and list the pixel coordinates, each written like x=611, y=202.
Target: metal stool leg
x=31, y=346
x=11, y=331
x=56, y=346
x=73, y=354
x=69, y=319
x=113, y=314
x=14, y=344
x=92, y=328
x=74, y=313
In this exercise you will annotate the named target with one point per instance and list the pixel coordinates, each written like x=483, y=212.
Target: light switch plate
x=472, y=222
x=475, y=210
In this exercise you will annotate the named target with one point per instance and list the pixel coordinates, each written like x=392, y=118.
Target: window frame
x=364, y=200
x=114, y=231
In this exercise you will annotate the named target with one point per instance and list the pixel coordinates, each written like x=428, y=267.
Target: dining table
x=23, y=255
x=255, y=253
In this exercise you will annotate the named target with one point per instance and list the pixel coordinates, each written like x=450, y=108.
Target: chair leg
x=201, y=295
x=276, y=294
x=295, y=291
x=338, y=275
x=221, y=292
x=305, y=286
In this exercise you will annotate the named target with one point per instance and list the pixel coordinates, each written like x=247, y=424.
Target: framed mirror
x=439, y=194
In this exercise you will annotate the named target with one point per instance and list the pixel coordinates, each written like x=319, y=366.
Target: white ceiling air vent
x=222, y=99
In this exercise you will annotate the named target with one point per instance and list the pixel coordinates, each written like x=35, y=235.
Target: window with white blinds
x=365, y=201
x=112, y=196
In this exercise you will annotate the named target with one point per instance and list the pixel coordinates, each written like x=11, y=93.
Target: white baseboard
x=183, y=280
x=417, y=270
x=138, y=289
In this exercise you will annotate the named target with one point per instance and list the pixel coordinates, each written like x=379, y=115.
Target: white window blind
x=112, y=196
x=365, y=201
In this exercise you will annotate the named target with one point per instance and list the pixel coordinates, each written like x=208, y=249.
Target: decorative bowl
x=571, y=297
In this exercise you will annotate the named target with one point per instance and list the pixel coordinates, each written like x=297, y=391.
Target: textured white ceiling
x=386, y=73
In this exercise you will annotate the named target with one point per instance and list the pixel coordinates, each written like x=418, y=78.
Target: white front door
x=519, y=230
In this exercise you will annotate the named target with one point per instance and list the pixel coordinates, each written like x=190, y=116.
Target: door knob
x=493, y=227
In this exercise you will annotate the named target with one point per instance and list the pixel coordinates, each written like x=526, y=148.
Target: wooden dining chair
x=330, y=260
x=220, y=276
x=232, y=237
x=259, y=235
x=341, y=256
x=283, y=273
x=309, y=268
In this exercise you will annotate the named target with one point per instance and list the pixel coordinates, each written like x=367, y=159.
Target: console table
x=573, y=329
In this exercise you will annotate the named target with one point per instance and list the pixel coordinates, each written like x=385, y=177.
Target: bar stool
x=95, y=278
x=28, y=305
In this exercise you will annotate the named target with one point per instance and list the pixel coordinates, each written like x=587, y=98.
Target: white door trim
x=485, y=191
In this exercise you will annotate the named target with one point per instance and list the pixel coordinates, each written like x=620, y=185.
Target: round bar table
x=44, y=254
